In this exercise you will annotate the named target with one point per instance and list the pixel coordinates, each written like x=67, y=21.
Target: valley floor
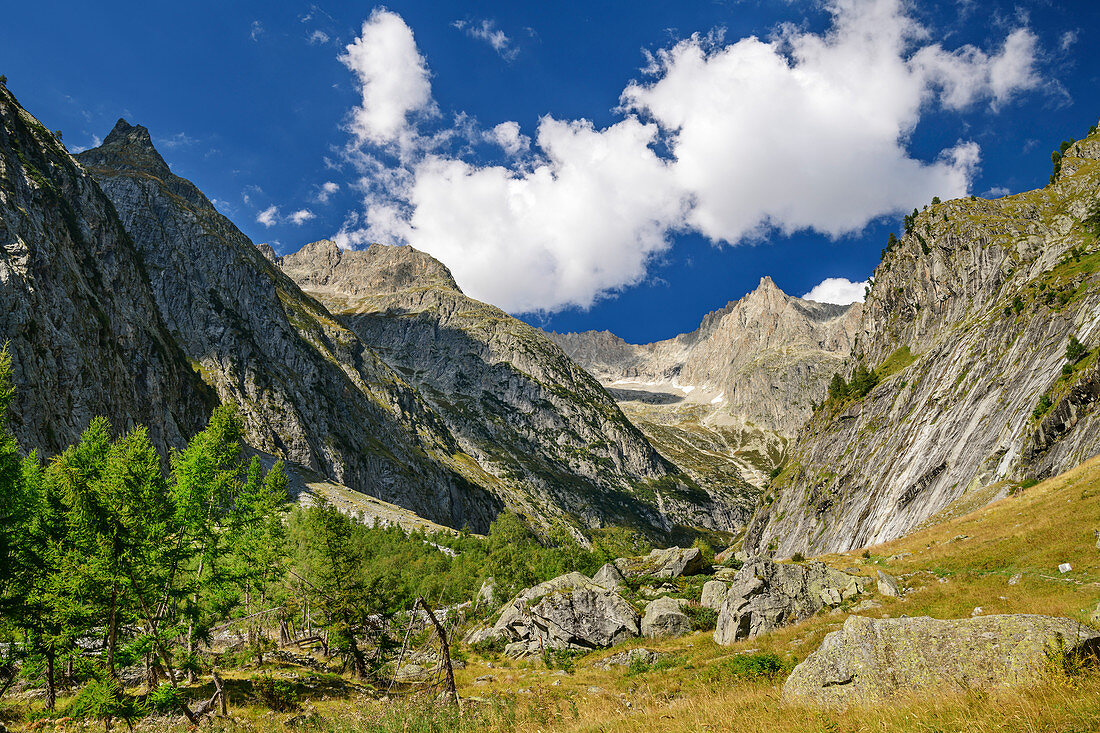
x=1003, y=558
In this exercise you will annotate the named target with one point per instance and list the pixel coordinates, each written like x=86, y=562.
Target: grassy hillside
x=1002, y=558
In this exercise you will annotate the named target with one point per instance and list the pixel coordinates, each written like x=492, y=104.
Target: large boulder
x=765, y=595
x=568, y=612
x=668, y=563
x=663, y=617
x=871, y=659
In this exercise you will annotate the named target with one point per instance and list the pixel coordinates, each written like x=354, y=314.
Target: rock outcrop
x=568, y=612
x=547, y=438
x=76, y=307
x=969, y=318
x=869, y=660
x=309, y=390
x=671, y=562
x=765, y=595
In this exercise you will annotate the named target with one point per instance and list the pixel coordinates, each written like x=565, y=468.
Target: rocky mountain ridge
x=77, y=311
x=309, y=390
x=985, y=295
x=552, y=443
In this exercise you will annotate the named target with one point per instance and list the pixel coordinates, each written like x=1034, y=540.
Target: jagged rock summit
x=309, y=390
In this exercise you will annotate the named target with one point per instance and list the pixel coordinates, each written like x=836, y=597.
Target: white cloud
x=487, y=31
x=318, y=37
x=838, y=290
x=256, y=31
x=301, y=216
x=268, y=217
x=325, y=192
x=801, y=132
x=560, y=233
x=996, y=192
x=508, y=137
x=1067, y=40
x=393, y=79
x=968, y=73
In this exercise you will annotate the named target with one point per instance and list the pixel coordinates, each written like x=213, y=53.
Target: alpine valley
x=944, y=430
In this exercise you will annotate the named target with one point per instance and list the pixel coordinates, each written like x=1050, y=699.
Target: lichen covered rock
x=869, y=660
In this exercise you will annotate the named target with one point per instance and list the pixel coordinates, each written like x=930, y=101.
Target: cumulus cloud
x=327, y=189
x=838, y=290
x=509, y=138
x=393, y=79
x=487, y=31
x=803, y=131
x=268, y=217
x=562, y=232
x=301, y=216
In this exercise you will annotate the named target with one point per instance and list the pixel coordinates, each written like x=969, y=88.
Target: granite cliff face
x=985, y=295
x=76, y=307
x=724, y=401
x=309, y=389
x=551, y=441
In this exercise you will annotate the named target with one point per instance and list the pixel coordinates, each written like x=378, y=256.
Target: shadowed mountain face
x=552, y=442
x=309, y=389
x=76, y=307
x=985, y=295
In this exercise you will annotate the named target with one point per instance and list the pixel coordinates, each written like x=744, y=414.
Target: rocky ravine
x=986, y=294
x=724, y=400
x=551, y=442
x=76, y=308
x=309, y=389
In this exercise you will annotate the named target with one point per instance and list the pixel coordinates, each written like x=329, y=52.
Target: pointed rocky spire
x=127, y=147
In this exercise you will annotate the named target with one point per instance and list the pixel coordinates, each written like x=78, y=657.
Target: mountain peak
x=381, y=268
x=127, y=147
x=124, y=131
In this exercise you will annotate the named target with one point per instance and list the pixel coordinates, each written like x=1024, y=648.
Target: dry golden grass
x=976, y=555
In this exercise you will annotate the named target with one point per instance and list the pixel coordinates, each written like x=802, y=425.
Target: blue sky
x=629, y=166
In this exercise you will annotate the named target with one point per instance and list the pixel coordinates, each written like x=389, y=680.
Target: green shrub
x=279, y=695
x=1042, y=407
x=798, y=557
x=701, y=617
x=748, y=667
x=104, y=699
x=165, y=699
x=1075, y=350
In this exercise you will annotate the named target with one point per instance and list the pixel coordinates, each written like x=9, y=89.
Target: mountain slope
x=309, y=389
x=986, y=294
x=555, y=443
x=76, y=308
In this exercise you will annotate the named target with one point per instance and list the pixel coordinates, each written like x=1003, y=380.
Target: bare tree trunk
x=51, y=690
x=445, y=650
